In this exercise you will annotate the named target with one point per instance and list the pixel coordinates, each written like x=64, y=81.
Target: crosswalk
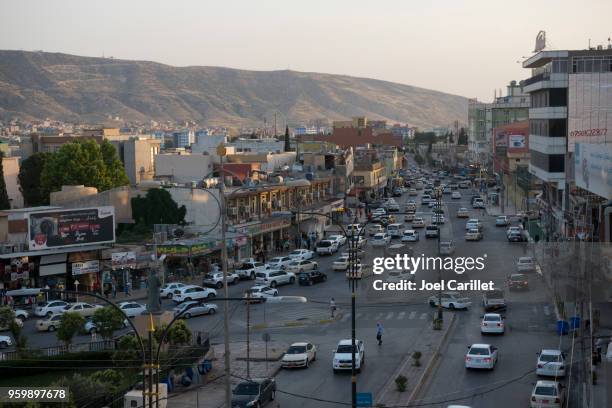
x=387, y=316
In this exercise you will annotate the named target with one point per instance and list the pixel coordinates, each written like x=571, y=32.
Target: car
x=516, y=237
x=397, y=192
x=359, y=253
x=493, y=300
x=5, y=341
x=418, y=222
x=463, y=213
x=82, y=308
x=273, y=278
x=258, y=293
x=437, y=219
x=464, y=184
x=514, y=229
x=411, y=206
x=46, y=309
x=447, y=190
x=90, y=327
x=425, y=199
x=301, y=254
x=393, y=207
x=447, y=247
x=450, y=300
x=492, y=323
x=375, y=229
x=525, y=264
x=215, y=279
x=432, y=231
x=280, y=262
x=357, y=242
x=167, y=291
x=311, y=277
x=481, y=356
x=502, y=221
x=395, y=230
x=547, y=394
x=340, y=239
x=381, y=239
x=356, y=272
x=473, y=223
x=478, y=203
x=412, y=192
x=326, y=247
x=409, y=217
x=386, y=220
x=194, y=308
x=254, y=392
x=50, y=323
x=299, y=355
x=399, y=275
x=341, y=263
x=247, y=270
x=518, y=281
x=301, y=266
x=410, y=236
x=551, y=363
x=473, y=235
x=131, y=309
x=456, y=195
x=343, y=355
x=193, y=292
x=433, y=204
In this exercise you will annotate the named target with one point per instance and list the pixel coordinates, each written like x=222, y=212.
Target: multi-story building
x=183, y=138
x=138, y=157
x=369, y=175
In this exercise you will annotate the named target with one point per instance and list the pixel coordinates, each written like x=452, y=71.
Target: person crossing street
x=379, y=333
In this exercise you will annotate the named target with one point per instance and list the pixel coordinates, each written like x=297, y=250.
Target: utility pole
x=353, y=281
x=248, y=335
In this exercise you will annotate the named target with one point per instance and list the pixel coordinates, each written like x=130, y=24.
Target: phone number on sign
x=8, y=394
x=589, y=132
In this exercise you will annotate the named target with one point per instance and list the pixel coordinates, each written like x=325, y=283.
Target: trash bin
x=562, y=327
x=575, y=322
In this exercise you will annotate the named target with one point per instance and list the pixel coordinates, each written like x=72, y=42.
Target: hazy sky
x=462, y=47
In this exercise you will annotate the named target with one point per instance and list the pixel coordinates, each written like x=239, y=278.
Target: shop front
x=265, y=236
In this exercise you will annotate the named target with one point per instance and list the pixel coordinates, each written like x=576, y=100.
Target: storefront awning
x=11, y=255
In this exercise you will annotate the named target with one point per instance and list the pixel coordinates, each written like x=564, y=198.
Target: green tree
x=29, y=180
x=7, y=316
x=157, y=207
x=287, y=143
x=5, y=204
x=71, y=324
x=179, y=333
x=108, y=320
x=83, y=162
x=128, y=352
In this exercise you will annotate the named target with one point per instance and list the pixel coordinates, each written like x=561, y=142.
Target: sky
x=466, y=47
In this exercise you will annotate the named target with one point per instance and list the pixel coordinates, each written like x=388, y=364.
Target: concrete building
x=183, y=138
x=206, y=143
x=269, y=162
x=138, y=157
x=10, y=166
x=269, y=145
x=183, y=167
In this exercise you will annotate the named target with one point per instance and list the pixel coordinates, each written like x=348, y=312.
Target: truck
x=493, y=301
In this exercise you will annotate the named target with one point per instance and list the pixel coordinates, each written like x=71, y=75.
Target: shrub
x=416, y=357
x=400, y=382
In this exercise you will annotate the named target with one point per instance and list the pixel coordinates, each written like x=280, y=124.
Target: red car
x=518, y=281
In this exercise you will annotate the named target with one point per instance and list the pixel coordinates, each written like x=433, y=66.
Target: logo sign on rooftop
x=540, y=43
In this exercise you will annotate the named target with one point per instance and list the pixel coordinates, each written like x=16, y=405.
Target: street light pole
x=352, y=265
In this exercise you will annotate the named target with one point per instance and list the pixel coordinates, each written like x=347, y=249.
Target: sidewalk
x=495, y=210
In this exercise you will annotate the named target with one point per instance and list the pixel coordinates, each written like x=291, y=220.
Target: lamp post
x=76, y=289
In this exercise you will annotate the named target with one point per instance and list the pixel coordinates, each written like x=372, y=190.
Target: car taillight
x=468, y=359
x=498, y=324
x=487, y=360
x=533, y=399
x=484, y=324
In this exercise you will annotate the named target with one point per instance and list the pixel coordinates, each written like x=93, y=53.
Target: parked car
x=518, y=281
x=248, y=269
x=473, y=235
x=50, y=323
x=254, y=392
x=418, y=222
x=326, y=247
x=450, y=300
x=280, y=262
x=49, y=308
x=492, y=323
x=481, y=356
x=193, y=292
x=167, y=291
x=502, y=221
x=311, y=277
x=195, y=308
x=447, y=247
x=273, y=278
x=463, y=213
x=343, y=355
x=301, y=266
x=381, y=239
x=525, y=264
x=548, y=394
x=82, y=308
x=410, y=236
x=132, y=309
x=215, y=279
x=299, y=355
x=258, y=293
x=432, y=231
x=5, y=341
x=301, y=254
x=551, y=363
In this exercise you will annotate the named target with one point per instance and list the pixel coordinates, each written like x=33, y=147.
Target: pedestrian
x=332, y=307
x=379, y=333
x=114, y=288
x=126, y=288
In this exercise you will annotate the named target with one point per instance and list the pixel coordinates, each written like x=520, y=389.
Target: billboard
x=593, y=168
x=516, y=141
x=123, y=259
x=589, y=116
x=71, y=227
x=501, y=142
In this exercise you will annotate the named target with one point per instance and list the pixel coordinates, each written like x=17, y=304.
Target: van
x=395, y=230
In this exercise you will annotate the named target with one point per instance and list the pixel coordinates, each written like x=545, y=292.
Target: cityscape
x=180, y=232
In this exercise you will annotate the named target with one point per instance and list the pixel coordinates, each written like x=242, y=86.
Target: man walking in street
x=332, y=307
x=379, y=333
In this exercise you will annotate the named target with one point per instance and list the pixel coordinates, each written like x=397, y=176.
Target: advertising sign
x=516, y=142
x=593, y=168
x=73, y=227
x=501, y=142
x=589, y=117
x=173, y=250
x=123, y=259
x=80, y=268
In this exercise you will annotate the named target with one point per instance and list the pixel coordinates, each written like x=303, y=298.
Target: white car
x=342, y=263
x=492, y=323
x=49, y=308
x=456, y=195
x=339, y=239
x=412, y=192
x=409, y=217
x=399, y=275
x=473, y=235
x=301, y=254
x=280, y=262
x=482, y=356
x=447, y=247
x=248, y=269
x=514, y=230
x=478, y=204
x=326, y=247
x=432, y=231
x=525, y=264
x=395, y=230
x=299, y=355
x=438, y=219
x=49, y=323
x=21, y=315
x=5, y=341
x=357, y=242
x=194, y=308
x=418, y=222
x=450, y=300
x=381, y=239
x=259, y=292
x=167, y=291
x=82, y=308
x=547, y=394
x=551, y=363
x=463, y=213
x=375, y=229
x=343, y=355
x=132, y=309
x=193, y=292
x=393, y=207
x=273, y=278
x=410, y=236
x=301, y=266
x=215, y=279
x=473, y=223
x=502, y=221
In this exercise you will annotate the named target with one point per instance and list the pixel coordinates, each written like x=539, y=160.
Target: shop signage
x=203, y=248
x=123, y=260
x=80, y=268
x=67, y=228
x=173, y=250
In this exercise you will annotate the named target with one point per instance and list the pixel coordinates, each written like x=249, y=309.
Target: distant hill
x=73, y=88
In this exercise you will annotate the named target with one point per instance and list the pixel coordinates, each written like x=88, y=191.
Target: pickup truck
x=493, y=300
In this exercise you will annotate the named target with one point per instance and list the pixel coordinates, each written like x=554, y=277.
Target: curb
x=296, y=323
x=430, y=365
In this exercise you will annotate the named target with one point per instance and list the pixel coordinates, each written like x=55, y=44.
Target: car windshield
x=296, y=350
x=549, y=358
x=345, y=348
x=247, y=389
x=548, y=391
x=323, y=244
x=479, y=351
x=492, y=318
x=518, y=277
x=296, y=253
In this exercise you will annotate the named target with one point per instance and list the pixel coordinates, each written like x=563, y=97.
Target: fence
x=102, y=345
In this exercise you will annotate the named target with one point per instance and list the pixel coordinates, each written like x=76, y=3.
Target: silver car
x=194, y=308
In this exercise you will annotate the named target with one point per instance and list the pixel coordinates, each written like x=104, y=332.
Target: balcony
x=549, y=112
x=544, y=76
x=545, y=80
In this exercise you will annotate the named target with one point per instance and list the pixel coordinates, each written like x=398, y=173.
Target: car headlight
x=336, y=361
